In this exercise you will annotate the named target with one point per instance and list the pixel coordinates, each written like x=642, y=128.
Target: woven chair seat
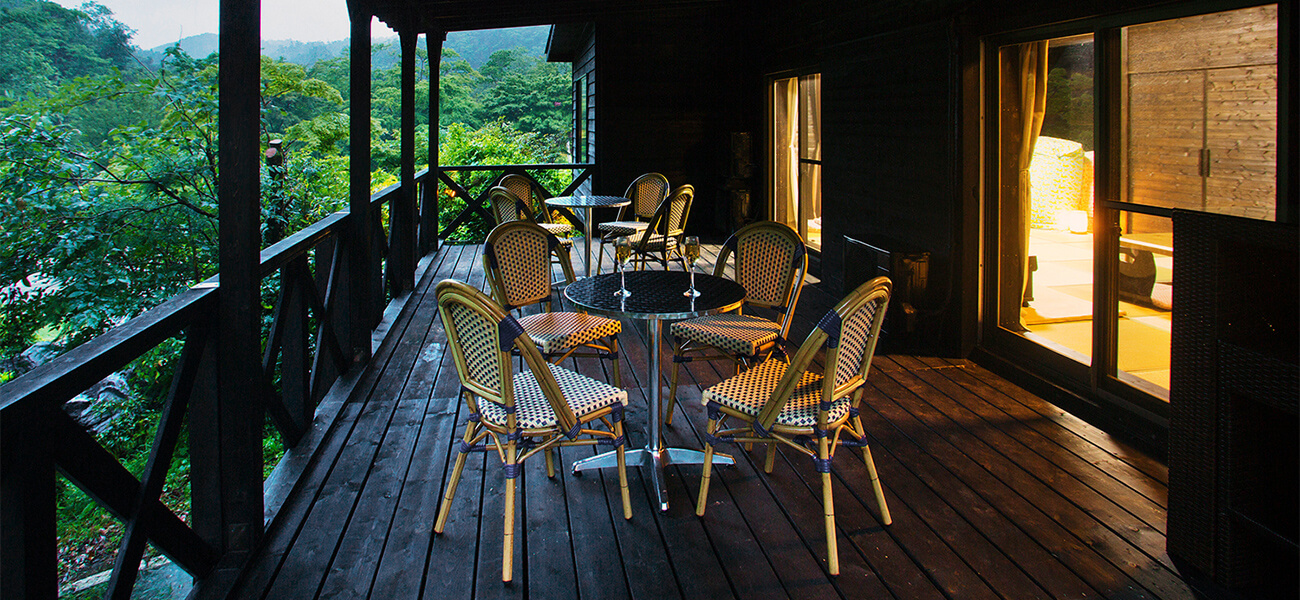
x=559, y=331
x=656, y=243
x=623, y=227
x=730, y=332
x=533, y=411
x=559, y=230
x=747, y=392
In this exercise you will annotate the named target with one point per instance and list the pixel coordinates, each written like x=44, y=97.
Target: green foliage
x=1069, y=110
x=43, y=45
x=497, y=143
x=108, y=203
x=532, y=94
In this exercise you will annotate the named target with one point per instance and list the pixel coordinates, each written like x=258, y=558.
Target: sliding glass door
x=1098, y=136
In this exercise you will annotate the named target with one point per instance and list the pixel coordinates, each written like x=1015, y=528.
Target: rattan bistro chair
x=515, y=260
x=664, y=234
x=811, y=413
x=647, y=192
x=533, y=203
x=507, y=208
x=770, y=262
x=519, y=414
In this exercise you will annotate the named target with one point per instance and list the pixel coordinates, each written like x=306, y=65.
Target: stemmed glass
x=692, y=253
x=623, y=253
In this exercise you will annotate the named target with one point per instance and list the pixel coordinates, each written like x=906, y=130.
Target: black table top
x=588, y=201
x=656, y=295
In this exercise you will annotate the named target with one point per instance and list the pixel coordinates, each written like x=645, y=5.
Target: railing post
x=402, y=256
x=229, y=456
x=28, y=536
x=360, y=266
x=429, y=207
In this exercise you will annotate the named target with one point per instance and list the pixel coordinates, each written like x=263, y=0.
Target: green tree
x=43, y=45
x=497, y=143
x=93, y=234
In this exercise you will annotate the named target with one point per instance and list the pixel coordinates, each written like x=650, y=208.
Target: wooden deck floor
x=994, y=494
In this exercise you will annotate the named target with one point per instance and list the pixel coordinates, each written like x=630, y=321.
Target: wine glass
x=692, y=253
x=623, y=253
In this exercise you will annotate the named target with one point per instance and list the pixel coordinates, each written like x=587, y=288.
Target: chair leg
x=708, y=470
x=871, y=470
x=447, y=496
x=613, y=346
x=550, y=463
x=828, y=508
x=672, y=386
x=600, y=253
x=622, y=471
x=771, y=459
x=508, y=540
x=875, y=487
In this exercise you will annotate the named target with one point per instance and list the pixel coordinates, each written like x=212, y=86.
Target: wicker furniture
x=518, y=270
x=530, y=196
x=587, y=203
x=647, y=192
x=776, y=402
x=506, y=208
x=656, y=295
x=519, y=414
x=664, y=233
x=770, y=262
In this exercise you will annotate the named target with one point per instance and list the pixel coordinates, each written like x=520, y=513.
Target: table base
x=655, y=460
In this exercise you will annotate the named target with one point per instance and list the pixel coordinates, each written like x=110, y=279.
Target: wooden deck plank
x=1058, y=431
x=1125, y=452
x=995, y=493
x=990, y=478
x=1128, y=513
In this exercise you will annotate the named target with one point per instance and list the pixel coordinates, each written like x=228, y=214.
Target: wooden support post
x=429, y=206
x=358, y=294
x=27, y=508
x=402, y=256
x=226, y=429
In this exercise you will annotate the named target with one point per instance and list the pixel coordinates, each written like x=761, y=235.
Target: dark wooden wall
x=669, y=92
x=896, y=84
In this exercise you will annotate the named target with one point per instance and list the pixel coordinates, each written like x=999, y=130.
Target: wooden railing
x=476, y=201
x=305, y=351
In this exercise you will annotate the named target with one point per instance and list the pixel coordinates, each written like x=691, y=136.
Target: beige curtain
x=1023, y=92
x=785, y=163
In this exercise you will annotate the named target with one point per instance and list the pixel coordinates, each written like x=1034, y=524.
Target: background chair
x=515, y=259
x=532, y=200
x=776, y=402
x=506, y=208
x=663, y=236
x=647, y=192
x=519, y=414
x=770, y=263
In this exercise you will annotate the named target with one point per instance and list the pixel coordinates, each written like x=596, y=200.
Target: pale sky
x=158, y=22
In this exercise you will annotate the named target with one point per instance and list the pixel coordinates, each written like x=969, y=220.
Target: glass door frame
x=1101, y=379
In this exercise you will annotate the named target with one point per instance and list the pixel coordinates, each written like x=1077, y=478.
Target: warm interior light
x=1076, y=221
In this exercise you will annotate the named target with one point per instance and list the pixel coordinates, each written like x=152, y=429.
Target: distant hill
x=473, y=46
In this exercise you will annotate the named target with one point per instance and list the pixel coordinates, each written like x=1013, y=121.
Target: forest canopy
x=108, y=178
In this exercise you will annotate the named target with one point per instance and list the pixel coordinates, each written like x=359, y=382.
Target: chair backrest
x=647, y=192
x=517, y=260
x=670, y=217
x=525, y=189
x=849, y=333
x=481, y=336
x=771, y=261
x=506, y=206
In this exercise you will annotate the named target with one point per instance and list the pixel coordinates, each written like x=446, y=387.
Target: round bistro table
x=656, y=296
x=588, y=203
